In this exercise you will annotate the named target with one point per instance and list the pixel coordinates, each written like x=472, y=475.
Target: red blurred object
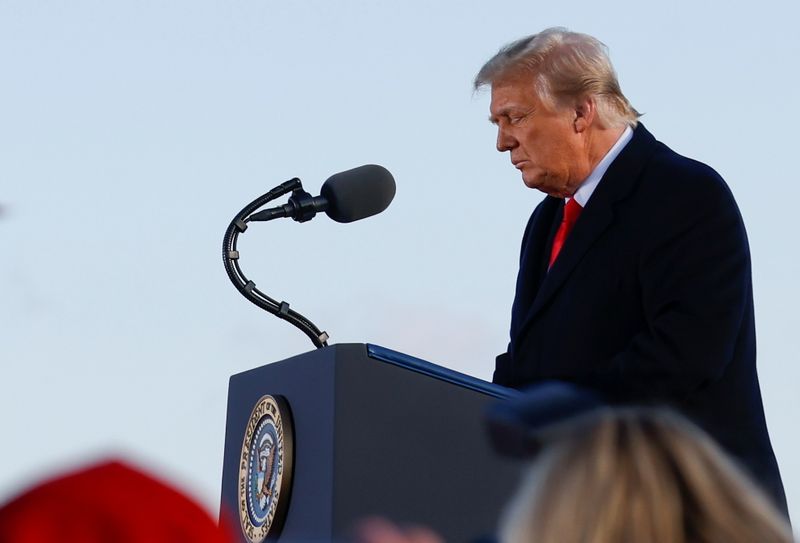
x=108, y=502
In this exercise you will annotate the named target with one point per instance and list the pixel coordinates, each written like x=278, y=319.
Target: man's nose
x=505, y=142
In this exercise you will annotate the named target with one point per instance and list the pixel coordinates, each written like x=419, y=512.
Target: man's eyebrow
x=506, y=112
x=494, y=118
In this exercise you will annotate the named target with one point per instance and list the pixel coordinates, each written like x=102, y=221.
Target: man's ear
x=585, y=113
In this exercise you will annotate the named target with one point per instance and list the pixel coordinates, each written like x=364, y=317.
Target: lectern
x=320, y=440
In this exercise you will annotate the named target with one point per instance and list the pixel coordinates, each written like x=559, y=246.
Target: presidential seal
x=265, y=469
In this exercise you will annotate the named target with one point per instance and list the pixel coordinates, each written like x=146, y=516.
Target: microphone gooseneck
x=246, y=287
x=345, y=197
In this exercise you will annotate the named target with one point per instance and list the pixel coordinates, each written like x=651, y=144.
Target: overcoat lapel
x=532, y=268
x=618, y=181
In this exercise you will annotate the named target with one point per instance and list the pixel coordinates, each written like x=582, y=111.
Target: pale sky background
x=132, y=132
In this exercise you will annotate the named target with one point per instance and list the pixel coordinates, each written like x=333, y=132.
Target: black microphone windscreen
x=358, y=193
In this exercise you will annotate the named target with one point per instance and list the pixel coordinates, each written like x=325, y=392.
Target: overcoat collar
x=618, y=181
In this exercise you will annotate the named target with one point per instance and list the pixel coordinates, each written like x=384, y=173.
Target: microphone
x=347, y=196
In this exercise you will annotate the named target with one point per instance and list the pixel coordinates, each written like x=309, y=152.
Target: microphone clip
x=301, y=207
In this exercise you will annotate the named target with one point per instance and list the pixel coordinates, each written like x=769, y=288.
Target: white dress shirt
x=586, y=189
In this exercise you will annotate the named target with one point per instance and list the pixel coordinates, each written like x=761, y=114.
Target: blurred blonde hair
x=564, y=65
x=638, y=476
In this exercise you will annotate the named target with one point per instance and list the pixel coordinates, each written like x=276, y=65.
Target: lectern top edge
x=438, y=372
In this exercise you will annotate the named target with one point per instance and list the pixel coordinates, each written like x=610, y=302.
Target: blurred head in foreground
x=638, y=475
x=106, y=503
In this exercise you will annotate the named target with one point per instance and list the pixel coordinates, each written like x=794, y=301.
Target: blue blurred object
x=521, y=426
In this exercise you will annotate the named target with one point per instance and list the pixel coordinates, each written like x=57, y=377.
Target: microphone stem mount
x=301, y=207
x=307, y=206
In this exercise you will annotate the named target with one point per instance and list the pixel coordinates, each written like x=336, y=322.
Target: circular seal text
x=265, y=469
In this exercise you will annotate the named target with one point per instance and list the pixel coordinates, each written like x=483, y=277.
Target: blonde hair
x=564, y=65
x=639, y=476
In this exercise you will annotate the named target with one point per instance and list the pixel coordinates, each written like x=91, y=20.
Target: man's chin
x=533, y=182
x=546, y=185
x=539, y=184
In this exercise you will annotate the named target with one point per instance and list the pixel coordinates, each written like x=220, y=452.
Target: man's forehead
x=518, y=78
x=508, y=94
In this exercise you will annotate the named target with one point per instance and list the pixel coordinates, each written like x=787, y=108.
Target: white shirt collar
x=586, y=189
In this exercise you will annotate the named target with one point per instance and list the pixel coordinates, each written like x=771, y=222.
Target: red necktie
x=571, y=213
